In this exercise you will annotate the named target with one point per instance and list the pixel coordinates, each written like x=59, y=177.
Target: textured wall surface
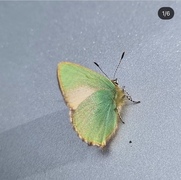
x=37, y=141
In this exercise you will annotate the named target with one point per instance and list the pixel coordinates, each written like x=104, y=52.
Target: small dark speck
x=130, y=142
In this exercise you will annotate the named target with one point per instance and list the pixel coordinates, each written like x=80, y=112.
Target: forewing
x=95, y=119
x=77, y=83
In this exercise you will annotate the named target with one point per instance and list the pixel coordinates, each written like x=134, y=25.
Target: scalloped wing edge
x=93, y=143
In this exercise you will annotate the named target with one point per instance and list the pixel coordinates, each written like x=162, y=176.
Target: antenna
x=118, y=64
x=101, y=69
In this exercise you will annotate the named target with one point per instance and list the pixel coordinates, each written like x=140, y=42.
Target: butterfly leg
x=121, y=118
x=129, y=97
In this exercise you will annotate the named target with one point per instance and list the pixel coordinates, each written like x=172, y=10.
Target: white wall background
x=37, y=141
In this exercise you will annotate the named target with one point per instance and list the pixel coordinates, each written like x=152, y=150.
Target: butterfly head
x=115, y=82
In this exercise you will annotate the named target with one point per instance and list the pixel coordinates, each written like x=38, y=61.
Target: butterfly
x=94, y=100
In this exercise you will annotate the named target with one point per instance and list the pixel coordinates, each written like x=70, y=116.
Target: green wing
x=95, y=119
x=77, y=83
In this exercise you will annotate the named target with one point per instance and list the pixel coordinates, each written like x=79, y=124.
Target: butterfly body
x=119, y=97
x=95, y=102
